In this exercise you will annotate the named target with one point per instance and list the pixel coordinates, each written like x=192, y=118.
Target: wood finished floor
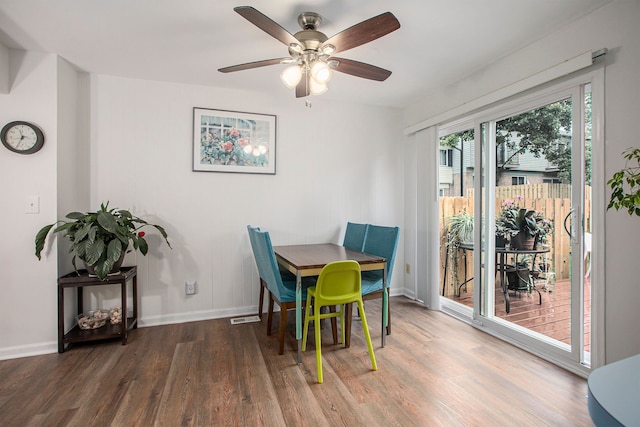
x=434, y=371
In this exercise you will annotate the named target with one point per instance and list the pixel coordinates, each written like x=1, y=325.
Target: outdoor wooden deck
x=552, y=318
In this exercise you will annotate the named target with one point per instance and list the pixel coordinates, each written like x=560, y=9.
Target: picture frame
x=233, y=141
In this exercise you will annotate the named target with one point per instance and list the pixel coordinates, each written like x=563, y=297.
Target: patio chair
x=339, y=284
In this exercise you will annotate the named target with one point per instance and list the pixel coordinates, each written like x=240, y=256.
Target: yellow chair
x=339, y=284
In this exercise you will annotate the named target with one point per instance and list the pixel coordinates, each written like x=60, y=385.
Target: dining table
x=309, y=259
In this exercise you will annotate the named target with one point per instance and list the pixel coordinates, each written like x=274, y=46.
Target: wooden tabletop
x=309, y=259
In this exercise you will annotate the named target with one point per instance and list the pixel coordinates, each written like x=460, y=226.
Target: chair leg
x=305, y=329
x=388, y=312
x=316, y=325
x=260, y=301
x=365, y=328
x=334, y=325
x=283, y=327
x=270, y=314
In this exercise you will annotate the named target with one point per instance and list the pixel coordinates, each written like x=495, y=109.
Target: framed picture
x=231, y=141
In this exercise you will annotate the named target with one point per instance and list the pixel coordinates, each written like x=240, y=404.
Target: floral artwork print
x=233, y=142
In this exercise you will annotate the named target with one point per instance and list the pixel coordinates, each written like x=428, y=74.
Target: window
x=446, y=157
x=518, y=180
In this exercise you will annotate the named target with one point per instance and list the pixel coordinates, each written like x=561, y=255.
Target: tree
x=543, y=132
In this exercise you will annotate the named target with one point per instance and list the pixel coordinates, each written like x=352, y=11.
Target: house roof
x=439, y=42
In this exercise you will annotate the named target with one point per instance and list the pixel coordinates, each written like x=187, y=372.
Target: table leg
x=385, y=304
x=503, y=282
x=60, y=319
x=123, y=326
x=299, y=315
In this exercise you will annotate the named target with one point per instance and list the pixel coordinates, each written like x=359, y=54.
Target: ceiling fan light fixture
x=296, y=48
x=291, y=76
x=321, y=72
x=317, y=88
x=328, y=49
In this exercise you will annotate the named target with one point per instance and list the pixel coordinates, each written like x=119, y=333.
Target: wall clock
x=22, y=137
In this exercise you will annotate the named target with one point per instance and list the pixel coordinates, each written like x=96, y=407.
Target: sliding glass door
x=515, y=220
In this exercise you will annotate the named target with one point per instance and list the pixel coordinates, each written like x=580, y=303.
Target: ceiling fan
x=310, y=51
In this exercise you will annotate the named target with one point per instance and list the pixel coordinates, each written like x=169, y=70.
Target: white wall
x=28, y=286
x=335, y=163
x=615, y=27
x=4, y=69
x=129, y=142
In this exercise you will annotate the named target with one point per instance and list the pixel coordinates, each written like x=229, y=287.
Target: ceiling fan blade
x=364, y=32
x=360, y=69
x=266, y=24
x=250, y=65
x=302, y=89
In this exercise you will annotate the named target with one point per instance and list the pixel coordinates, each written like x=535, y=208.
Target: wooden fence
x=555, y=209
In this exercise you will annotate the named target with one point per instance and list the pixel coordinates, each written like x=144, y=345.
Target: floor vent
x=239, y=320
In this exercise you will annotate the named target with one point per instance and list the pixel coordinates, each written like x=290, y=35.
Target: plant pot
x=114, y=270
x=518, y=278
x=501, y=242
x=522, y=241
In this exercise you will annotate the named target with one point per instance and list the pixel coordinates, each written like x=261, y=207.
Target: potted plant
x=100, y=239
x=459, y=231
x=522, y=227
x=625, y=184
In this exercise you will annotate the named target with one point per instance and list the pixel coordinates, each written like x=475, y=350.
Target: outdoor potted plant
x=459, y=231
x=523, y=228
x=100, y=239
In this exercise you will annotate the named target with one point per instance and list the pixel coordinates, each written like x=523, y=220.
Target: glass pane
x=456, y=215
x=533, y=197
x=587, y=224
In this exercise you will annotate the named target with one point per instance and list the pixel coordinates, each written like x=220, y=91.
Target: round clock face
x=22, y=137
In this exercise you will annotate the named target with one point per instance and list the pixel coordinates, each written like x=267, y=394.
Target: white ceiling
x=439, y=42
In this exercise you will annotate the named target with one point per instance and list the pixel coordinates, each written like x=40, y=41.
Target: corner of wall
x=4, y=69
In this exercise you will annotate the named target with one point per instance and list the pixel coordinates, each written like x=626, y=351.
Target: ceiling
x=186, y=41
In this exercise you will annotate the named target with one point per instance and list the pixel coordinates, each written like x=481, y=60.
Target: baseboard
x=29, y=350
x=195, y=316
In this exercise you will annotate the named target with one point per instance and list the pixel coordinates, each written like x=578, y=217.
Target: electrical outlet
x=407, y=268
x=190, y=288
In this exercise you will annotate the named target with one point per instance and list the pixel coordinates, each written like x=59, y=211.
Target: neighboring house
x=520, y=169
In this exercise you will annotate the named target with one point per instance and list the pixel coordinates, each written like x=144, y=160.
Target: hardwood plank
x=433, y=371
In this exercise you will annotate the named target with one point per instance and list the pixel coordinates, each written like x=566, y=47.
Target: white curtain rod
x=569, y=66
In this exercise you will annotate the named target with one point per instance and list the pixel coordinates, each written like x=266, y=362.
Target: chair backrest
x=383, y=241
x=355, y=235
x=252, y=240
x=267, y=263
x=339, y=281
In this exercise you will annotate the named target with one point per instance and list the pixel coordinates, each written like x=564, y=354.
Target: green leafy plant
x=625, y=184
x=459, y=231
x=100, y=238
x=513, y=220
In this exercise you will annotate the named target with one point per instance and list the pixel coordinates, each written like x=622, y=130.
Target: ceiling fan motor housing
x=309, y=20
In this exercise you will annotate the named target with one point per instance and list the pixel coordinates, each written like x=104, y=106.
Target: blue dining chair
x=381, y=241
x=354, y=236
x=281, y=285
x=263, y=285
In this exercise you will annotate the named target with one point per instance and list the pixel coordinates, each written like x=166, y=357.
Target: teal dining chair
x=381, y=241
x=354, y=236
x=263, y=285
x=339, y=284
x=281, y=285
